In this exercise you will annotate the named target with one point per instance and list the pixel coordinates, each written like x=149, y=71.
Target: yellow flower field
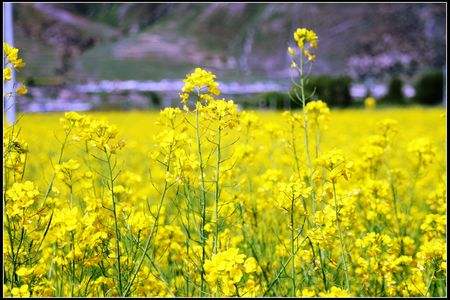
x=391, y=209
x=208, y=200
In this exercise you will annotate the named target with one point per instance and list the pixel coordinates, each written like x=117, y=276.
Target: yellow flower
x=66, y=169
x=306, y=39
x=201, y=82
x=370, y=102
x=291, y=51
x=13, y=56
x=236, y=274
x=222, y=111
x=422, y=150
x=21, y=292
x=22, y=196
x=306, y=293
x=335, y=292
x=250, y=265
x=6, y=74
x=22, y=90
x=337, y=165
x=24, y=272
x=317, y=111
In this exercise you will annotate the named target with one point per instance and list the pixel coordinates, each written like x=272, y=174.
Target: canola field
x=207, y=200
x=366, y=218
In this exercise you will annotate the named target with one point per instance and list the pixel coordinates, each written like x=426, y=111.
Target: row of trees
x=429, y=88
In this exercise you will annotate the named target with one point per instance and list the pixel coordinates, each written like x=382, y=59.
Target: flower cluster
x=20, y=197
x=317, y=112
x=336, y=164
x=222, y=111
x=423, y=150
x=306, y=39
x=12, y=54
x=13, y=61
x=226, y=270
x=202, y=83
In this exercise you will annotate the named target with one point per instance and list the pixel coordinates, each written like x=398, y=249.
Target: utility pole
x=444, y=72
x=8, y=36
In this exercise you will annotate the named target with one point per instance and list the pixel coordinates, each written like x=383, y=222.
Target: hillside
x=240, y=41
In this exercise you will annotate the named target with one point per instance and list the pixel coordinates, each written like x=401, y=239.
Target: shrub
x=430, y=88
x=275, y=100
x=154, y=99
x=247, y=102
x=395, y=93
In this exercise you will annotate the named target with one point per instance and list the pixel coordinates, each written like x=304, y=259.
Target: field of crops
x=209, y=200
x=370, y=218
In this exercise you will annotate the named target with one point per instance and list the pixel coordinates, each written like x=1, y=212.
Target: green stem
x=111, y=177
x=72, y=248
x=61, y=151
x=13, y=257
x=297, y=164
x=203, y=206
x=292, y=246
x=305, y=129
x=305, y=123
x=343, y=250
x=217, y=192
x=324, y=278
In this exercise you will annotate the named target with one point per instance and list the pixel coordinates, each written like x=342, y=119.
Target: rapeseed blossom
x=6, y=74
x=306, y=40
x=201, y=83
x=12, y=54
x=12, y=60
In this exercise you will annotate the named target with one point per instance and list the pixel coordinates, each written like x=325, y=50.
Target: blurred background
x=119, y=56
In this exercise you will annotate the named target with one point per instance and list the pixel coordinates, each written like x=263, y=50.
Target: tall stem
x=11, y=235
x=72, y=248
x=203, y=206
x=305, y=123
x=61, y=151
x=308, y=156
x=293, y=246
x=305, y=129
x=217, y=191
x=343, y=250
x=72, y=245
x=111, y=178
x=294, y=148
x=317, y=140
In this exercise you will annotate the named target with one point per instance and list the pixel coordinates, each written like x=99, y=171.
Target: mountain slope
x=246, y=40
